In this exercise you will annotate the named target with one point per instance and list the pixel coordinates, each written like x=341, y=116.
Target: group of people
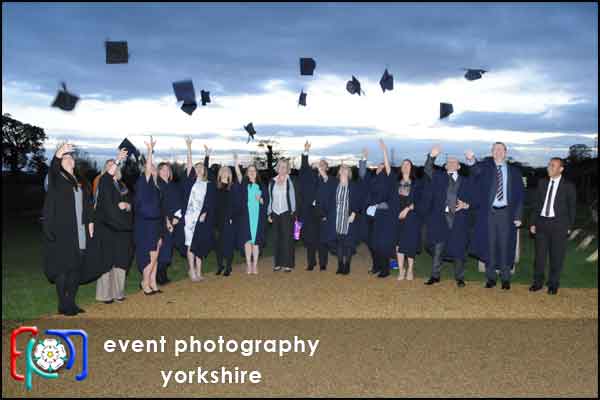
x=93, y=236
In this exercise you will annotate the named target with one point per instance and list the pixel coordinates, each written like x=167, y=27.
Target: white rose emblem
x=50, y=354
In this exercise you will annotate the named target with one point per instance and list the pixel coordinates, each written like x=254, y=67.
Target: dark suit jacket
x=564, y=202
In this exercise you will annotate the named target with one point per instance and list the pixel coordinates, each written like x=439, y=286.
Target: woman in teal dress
x=251, y=197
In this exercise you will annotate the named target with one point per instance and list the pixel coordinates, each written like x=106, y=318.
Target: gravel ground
x=379, y=337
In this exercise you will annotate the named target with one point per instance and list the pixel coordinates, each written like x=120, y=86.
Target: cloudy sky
x=540, y=95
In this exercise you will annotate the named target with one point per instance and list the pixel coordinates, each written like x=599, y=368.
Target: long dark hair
x=413, y=174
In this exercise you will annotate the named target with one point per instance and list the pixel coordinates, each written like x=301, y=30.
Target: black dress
x=113, y=229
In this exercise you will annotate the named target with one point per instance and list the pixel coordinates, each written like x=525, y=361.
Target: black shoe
x=323, y=268
x=340, y=269
x=227, y=271
x=460, y=283
x=490, y=284
x=432, y=280
x=221, y=268
x=506, y=285
x=310, y=267
x=346, y=269
x=552, y=290
x=535, y=288
x=70, y=312
x=108, y=301
x=383, y=274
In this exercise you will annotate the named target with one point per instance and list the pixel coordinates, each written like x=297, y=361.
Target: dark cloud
x=571, y=118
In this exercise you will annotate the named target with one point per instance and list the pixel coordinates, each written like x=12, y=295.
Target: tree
x=265, y=160
x=22, y=145
x=579, y=152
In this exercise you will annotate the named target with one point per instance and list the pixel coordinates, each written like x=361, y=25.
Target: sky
x=539, y=97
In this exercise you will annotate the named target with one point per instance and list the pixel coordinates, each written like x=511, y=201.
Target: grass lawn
x=27, y=294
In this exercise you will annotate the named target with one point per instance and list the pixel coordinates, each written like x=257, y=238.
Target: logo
x=46, y=356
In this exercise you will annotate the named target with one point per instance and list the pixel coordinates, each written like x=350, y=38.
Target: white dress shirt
x=551, y=200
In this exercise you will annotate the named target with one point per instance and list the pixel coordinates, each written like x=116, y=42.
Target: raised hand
x=532, y=229
x=382, y=145
x=307, y=146
x=122, y=155
x=188, y=141
x=206, y=150
x=236, y=160
x=469, y=155
x=365, y=153
x=435, y=151
x=150, y=146
x=63, y=149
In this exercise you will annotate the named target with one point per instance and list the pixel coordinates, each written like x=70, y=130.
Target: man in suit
x=552, y=217
x=500, y=205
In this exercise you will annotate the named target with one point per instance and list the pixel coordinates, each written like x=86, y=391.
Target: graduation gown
x=147, y=220
x=408, y=230
x=309, y=182
x=243, y=234
x=112, y=244
x=327, y=205
x=61, y=252
x=485, y=192
x=226, y=220
x=171, y=199
x=203, y=238
x=383, y=188
x=434, y=205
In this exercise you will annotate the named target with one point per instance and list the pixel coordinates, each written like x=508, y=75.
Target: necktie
x=499, y=183
x=549, y=199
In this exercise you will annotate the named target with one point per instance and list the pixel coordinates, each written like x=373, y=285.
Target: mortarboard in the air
x=474, y=74
x=387, y=81
x=445, y=110
x=131, y=149
x=251, y=132
x=353, y=86
x=184, y=91
x=204, y=97
x=307, y=66
x=64, y=100
x=302, y=99
x=116, y=52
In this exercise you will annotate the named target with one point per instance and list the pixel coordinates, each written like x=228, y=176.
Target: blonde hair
x=224, y=170
x=204, y=176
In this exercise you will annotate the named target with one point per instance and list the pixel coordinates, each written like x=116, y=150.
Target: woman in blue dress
x=408, y=223
x=196, y=237
x=252, y=202
x=147, y=224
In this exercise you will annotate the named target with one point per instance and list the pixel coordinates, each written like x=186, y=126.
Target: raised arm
x=428, y=169
x=305, y=167
x=150, y=148
x=238, y=172
x=362, y=164
x=386, y=159
x=189, y=165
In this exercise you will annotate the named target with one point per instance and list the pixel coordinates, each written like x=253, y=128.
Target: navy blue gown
x=383, y=188
x=171, y=202
x=226, y=221
x=147, y=220
x=434, y=205
x=203, y=239
x=408, y=230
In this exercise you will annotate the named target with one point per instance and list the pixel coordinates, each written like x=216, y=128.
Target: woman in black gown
x=68, y=227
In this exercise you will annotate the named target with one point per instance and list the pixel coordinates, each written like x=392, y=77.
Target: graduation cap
x=131, y=149
x=474, y=74
x=302, y=99
x=251, y=132
x=353, y=86
x=64, y=100
x=205, y=97
x=307, y=66
x=387, y=81
x=445, y=110
x=184, y=91
x=116, y=52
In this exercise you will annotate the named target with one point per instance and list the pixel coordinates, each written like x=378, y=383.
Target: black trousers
x=459, y=264
x=499, y=226
x=550, y=240
x=283, y=240
x=381, y=263
x=370, y=233
x=315, y=246
x=67, y=285
x=219, y=251
x=343, y=249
